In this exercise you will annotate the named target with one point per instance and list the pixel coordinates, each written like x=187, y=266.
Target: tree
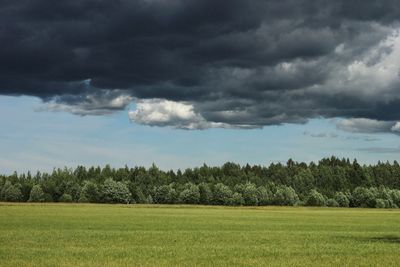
x=115, y=192
x=303, y=182
x=285, y=196
x=10, y=192
x=36, y=194
x=344, y=182
x=315, y=199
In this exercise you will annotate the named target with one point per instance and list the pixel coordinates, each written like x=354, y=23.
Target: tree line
x=331, y=182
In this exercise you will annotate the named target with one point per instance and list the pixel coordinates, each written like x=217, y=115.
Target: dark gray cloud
x=237, y=63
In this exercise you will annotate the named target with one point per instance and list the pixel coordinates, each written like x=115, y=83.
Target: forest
x=331, y=182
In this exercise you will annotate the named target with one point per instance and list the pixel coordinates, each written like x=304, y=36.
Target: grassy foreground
x=107, y=235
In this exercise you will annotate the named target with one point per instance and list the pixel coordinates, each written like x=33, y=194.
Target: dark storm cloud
x=230, y=63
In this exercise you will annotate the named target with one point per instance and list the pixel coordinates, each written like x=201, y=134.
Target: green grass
x=131, y=235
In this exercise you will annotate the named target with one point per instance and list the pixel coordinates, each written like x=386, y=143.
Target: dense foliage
x=332, y=182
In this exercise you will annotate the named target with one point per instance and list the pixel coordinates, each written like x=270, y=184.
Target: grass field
x=106, y=235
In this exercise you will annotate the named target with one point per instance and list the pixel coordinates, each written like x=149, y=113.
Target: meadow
x=168, y=235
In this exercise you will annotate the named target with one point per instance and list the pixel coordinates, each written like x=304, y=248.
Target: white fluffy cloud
x=396, y=127
x=160, y=112
x=91, y=104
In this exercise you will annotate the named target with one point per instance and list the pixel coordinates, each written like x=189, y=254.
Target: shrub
x=222, y=194
x=65, y=198
x=380, y=203
x=137, y=194
x=285, y=196
x=237, y=199
x=389, y=204
x=332, y=203
x=342, y=199
x=390, y=197
x=165, y=194
x=74, y=190
x=190, y=195
x=10, y=192
x=205, y=194
x=395, y=195
x=249, y=193
x=265, y=196
x=26, y=189
x=315, y=199
x=83, y=199
x=363, y=197
x=115, y=192
x=48, y=198
x=36, y=194
x=90, y=192
x=149, y=200
x=384, y=193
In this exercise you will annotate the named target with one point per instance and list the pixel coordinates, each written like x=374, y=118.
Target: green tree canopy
x=36, y=194
x=115, y=192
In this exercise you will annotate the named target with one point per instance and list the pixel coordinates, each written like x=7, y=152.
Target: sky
x=180, y=83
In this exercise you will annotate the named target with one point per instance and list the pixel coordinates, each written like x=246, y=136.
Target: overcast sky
x=182, y=82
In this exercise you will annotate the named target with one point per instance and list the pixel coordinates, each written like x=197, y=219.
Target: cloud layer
x=197, y=64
